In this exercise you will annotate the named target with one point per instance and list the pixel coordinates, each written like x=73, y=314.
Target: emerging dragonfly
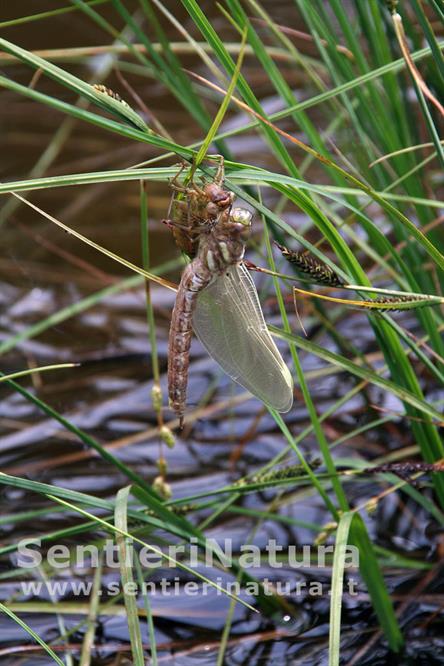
x=217, y=298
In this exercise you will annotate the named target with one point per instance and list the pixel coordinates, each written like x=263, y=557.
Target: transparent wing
x=229, y=322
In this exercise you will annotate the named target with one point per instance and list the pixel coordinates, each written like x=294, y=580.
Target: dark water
x=42, y=271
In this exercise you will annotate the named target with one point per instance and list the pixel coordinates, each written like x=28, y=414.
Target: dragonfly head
x=240, y=220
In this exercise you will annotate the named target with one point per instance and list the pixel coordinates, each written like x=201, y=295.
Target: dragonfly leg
x=220, y=173
x=187, y=229
x=174, y=182
x=172, y=198
x=196, y=190
x=179, y=188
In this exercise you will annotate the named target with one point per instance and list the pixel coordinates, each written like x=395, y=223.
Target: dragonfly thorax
x=224, y=245
x=222, y=253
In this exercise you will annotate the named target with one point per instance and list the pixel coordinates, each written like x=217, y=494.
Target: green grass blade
x=337, y=585
x=32, y=633
x=86, y=439
x=117, y=530
x=94, y=604
x=371, y=573
x=31, y=371
x=149, y=614
x=360, y=371
x=223, y=107
x=44, y=15
x=127, y=578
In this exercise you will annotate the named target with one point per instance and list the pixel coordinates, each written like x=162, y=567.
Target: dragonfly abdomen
x=195, y=277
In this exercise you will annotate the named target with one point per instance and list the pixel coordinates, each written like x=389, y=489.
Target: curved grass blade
x=105, y=102
x=96, y=246
x=344, y=364
x=32, y=633
x=223, y=107
x=404, y=301
x=44, y=15
x=88, y=639
x=144, y=488
x=126, y=575
x=337, y=586
x=111, y=101
x=149, y=614
x=371, y=573
x=31, y=371
x=156, y=550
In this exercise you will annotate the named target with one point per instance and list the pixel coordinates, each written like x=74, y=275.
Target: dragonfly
x=218, y=300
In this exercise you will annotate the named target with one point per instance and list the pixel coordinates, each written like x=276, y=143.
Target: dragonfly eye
x=240, y=220
x=241, y=216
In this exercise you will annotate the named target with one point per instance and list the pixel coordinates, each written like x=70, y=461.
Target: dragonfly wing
x=229, y=322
